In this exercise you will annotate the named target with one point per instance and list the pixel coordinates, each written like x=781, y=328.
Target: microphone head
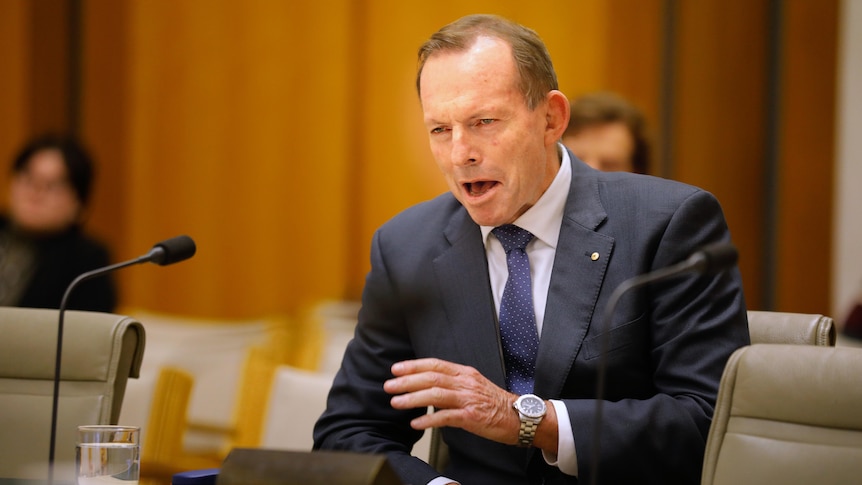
x=173, y=250
x=714, y=258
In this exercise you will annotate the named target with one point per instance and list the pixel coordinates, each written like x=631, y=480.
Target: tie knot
x=512, y=237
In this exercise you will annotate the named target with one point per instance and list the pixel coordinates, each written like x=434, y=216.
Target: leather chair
x=787, y=414
x=763, y=326
x=790, y=328
x=100, y=352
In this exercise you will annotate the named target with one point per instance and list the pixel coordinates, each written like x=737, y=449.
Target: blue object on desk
x=196, y=477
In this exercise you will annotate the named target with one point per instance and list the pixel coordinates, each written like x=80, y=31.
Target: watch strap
x=527, y=432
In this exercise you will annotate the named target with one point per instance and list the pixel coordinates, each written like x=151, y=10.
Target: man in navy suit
x=428, y=331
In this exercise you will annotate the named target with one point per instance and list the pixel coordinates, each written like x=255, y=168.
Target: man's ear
x=557, y=116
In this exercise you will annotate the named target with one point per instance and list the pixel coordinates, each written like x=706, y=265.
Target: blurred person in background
x=608, y=133
x=42, y=243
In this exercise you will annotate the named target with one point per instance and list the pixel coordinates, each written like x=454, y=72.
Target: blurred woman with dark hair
x=42, y=243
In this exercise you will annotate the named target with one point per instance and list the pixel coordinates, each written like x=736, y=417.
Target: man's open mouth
x=479, y=188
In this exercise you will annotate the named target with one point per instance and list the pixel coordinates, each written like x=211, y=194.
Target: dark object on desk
x=254, y=466
x=196, y=477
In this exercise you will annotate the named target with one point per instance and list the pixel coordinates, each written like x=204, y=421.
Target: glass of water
x=108, y=454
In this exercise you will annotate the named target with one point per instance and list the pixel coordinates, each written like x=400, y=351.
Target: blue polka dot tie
x=518, y=332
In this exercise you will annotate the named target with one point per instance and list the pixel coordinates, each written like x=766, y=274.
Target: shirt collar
x=544, y=219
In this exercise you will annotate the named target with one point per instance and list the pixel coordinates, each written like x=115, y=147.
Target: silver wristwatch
x=531, y=409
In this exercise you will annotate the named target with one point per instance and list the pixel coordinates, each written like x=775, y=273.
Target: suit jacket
x=428, y=295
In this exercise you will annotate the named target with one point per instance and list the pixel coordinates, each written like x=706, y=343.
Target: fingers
x=431, y=382
x=461, y=396
x=435, y=397
x=425, y=365
x=416, y=375
x=425, y=382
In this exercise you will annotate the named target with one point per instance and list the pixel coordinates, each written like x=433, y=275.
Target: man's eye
x=486, y=121
x=439, y=129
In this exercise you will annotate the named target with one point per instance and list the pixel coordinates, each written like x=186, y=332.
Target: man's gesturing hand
x=462, y=396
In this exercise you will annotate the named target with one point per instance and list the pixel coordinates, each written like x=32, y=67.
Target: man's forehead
x=481, y=46
x=486, y=55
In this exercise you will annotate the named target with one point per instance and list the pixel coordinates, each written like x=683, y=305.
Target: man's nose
x=464, y=150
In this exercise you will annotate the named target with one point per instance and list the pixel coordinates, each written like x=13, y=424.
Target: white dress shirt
x=543, y=220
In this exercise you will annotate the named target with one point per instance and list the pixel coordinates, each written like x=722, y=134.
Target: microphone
x=170, y=251
x=711, y=259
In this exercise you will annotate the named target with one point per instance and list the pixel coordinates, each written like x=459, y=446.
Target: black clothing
x=57, y=260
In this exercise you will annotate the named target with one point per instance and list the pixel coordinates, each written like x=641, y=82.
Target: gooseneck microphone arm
x=166, y=252
x=711, y=259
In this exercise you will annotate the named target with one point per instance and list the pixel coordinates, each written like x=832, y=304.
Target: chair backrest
x=295, y=392
x=790, y=328
x=787, y=414
x=100, y=352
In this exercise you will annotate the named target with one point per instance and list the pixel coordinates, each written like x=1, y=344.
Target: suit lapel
x=462, y=276
x=580, y=263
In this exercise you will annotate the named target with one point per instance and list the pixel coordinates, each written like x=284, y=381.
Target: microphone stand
x=167, y=252
x=56, y=398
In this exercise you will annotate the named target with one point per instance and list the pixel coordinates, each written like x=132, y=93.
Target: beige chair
x=790, y=328
x=787, y=414
x=100, y=352
x=294, y=392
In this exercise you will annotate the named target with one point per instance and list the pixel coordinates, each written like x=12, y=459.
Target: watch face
x=531, y=406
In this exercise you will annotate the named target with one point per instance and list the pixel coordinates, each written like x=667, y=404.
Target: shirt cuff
x=566, y=459
x=442, y=481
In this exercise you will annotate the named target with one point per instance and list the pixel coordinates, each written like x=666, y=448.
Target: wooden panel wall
x=104, y=122
x=719, y=130
x=634, y=54
x=280, y=135
x=15, y=53
x=806, y=157
x=236, y=137
x=35, y=73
